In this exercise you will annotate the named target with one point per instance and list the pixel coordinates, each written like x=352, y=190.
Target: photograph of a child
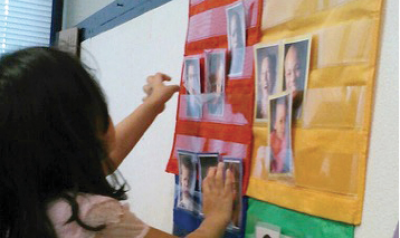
x=235, y=166
x=236, y=37
x=192, y=85
x=215, y=62
x=206, y=161
x=266, y=78
x=280, y=156
x=187, y=181
x=296, y=63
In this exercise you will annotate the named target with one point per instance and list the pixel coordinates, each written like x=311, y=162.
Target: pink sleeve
x=96, y=211
x=119, y=221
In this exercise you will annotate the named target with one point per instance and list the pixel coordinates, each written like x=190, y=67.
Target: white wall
x=381, y=204
x=156, y=44
x=159, y=36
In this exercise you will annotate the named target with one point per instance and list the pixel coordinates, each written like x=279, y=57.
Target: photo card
x=267, y=58
x=280, y=155
x=192, y=75
x=215, y=71
x=187, y=181
x=267, y=230
x=236, y=19
x=235, y=165
x=192, y=85
x=296, y=64
x=206, y=161
x=215, y=74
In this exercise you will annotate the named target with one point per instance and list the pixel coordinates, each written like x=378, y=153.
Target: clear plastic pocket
x=191, y=107
x=327, y=4
x=243, y=59
x=188, y=143
x=277, y=11
x=220, y=108
x=334, y=107
x=325, y=171
x=228, y=149
x=214, y=23
x=346, y=44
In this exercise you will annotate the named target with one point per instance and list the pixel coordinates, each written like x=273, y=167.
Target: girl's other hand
x=157, y=93
x=218, y=196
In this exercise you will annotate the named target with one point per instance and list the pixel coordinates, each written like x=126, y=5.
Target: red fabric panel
x=231, y=134
x=213, y=22
x=206, y=5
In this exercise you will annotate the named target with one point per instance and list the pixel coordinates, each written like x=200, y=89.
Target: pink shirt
x=96, y=210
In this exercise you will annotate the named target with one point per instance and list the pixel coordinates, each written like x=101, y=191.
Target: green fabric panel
x=295, y=224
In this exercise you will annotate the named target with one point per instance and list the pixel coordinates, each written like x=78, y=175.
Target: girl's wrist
x=213, y=227
x=155, y=107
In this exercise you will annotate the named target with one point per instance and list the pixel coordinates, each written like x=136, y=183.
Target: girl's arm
x=129, y=131
x=217, y=206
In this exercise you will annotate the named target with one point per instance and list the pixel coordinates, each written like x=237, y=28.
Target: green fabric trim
x=295, y=224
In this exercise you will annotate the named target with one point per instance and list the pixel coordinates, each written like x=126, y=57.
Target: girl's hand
x=157, y=93
x=218, y=196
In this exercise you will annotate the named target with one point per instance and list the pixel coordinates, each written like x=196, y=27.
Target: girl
x=57, y=144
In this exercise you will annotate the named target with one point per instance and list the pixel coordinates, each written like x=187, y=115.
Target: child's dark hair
x=52, y=117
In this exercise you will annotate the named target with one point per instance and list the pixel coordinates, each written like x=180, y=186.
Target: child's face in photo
x=280, y=121
x=235, y=169
x=216, y=80
x=206, y=163
x=293, y=70
x=191, y=78
x=219, y=77
x=265, y=75
x=185, y=180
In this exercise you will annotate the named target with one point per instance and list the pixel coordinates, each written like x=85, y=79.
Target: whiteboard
x=121, y=59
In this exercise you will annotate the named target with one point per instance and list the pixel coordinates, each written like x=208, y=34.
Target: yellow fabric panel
x=259, y=166
x=340, y=75
x=325, y=159
x=330, y=162
x=316, y=20
x=330, y=143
